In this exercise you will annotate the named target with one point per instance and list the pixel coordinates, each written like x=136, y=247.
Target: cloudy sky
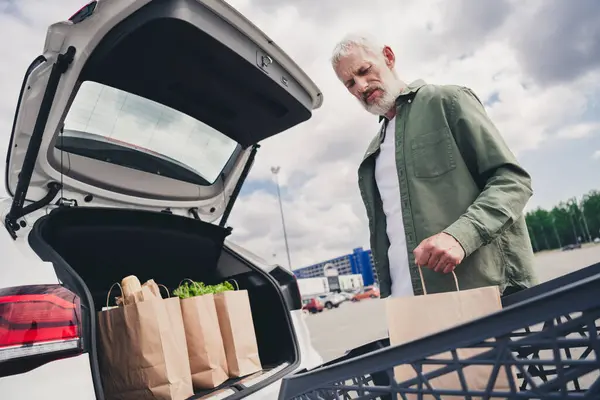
x=535, y=63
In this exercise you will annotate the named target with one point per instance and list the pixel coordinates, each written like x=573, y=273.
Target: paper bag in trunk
x=237, y=330
x=208, y=362
x=411, y=318
x=143, y=352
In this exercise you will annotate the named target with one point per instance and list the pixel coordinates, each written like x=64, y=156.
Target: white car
x=332, y=300
x=133, y=134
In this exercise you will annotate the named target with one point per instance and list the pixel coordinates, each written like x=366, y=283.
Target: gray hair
x=343, y=47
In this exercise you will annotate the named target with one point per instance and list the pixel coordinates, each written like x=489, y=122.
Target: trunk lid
x=156, y=105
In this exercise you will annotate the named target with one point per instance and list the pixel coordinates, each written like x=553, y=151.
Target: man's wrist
x=466, y=234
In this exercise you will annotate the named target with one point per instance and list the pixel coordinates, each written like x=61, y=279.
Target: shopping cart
x=548, y=334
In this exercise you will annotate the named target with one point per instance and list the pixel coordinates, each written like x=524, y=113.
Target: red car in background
x=312, y=305
x=369, y=292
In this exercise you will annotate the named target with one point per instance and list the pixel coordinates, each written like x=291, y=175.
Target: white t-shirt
x=386, y=176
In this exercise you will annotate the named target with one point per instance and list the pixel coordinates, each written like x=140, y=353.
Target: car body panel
x=69, y=378
x=20, y=265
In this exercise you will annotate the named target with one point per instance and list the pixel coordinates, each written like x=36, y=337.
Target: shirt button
x=410, y=100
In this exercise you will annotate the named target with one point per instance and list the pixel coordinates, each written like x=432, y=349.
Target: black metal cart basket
x=547, y=334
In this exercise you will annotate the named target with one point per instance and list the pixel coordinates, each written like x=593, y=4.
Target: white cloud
x=579, y=130
x=323, y=211
x=596, y=155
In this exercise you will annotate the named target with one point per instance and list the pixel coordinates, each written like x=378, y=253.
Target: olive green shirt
x=458, y=176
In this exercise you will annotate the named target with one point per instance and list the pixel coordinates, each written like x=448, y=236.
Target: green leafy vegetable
x=187, y=289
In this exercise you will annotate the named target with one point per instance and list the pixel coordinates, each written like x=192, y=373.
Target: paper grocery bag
x=143, y=351
x=134, y=292
x=411, y=318
x=208, y=362
x=237, y=330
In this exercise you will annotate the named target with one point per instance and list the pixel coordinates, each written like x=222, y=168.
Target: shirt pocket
x=432, y=153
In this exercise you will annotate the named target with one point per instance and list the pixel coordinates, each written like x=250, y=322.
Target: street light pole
x=585, y=225
x=275, y=171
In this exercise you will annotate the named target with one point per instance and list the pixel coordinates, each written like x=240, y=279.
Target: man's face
x=370, y=78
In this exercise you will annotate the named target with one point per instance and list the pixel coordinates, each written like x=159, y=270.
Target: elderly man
x=441, y=188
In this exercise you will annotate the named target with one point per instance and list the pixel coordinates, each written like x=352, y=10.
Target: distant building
x=358, y=262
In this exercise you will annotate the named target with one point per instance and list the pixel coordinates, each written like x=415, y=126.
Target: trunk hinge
x=238, y=186
x=18, y=208
x=11, y=220
x=194, y=212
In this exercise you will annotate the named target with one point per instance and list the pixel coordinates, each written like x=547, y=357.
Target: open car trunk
x=92, y=248
x=116, y=112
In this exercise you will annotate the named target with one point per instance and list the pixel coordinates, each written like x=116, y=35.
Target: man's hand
x=440, y=252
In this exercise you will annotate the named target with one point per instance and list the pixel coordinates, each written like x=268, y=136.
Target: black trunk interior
x=104, y=245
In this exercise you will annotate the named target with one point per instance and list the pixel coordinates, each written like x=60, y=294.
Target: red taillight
x=35, y=320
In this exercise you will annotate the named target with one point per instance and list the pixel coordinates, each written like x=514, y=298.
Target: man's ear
x=389, y=56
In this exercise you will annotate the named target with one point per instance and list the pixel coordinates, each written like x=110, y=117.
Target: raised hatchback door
x=151, y=104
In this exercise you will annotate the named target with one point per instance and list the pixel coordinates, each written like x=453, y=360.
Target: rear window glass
x=122, y=128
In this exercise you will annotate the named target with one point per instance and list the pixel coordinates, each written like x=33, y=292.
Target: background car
x=332, y=300
x=369, y=292
x=572, y=246
x=347, y=295
x=313, y=305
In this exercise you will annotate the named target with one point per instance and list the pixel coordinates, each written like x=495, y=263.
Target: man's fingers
x=449, y=267
x=448, y=263
x=417, y=252
x=421, y=257
x=424, y=259
x=437, y=261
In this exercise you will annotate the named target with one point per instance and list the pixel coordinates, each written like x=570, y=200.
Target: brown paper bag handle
x=110, y=291
x=166, y=289
x=119, y=285
x=423, y=280
x=189, y=280
x=236, y=284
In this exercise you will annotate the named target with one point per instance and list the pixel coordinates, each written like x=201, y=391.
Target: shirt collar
x=411, y=88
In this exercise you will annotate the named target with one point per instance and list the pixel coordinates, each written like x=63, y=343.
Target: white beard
x=383, y=104
x=392, y=87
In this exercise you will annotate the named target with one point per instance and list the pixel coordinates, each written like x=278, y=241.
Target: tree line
x=569, y=222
